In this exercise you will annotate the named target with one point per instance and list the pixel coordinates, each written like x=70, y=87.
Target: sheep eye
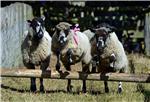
x=66, y=31
x=29, y=36
x=57, y=31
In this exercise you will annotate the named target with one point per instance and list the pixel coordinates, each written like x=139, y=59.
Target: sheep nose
x=62, y=40
x=100, y=44
x=40, y=35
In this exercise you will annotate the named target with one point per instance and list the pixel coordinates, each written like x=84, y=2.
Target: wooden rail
x=27, y=73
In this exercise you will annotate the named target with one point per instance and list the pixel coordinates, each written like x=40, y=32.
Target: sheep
x=107, y=51
x=36, y=49
x=71, y=46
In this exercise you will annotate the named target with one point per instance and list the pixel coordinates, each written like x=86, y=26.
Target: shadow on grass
x=13, y=89
x=146, y=94
x=49, y=91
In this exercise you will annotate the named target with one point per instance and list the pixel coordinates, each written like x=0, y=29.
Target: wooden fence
x=147, y=33
x=27, y=73
x=13, y=24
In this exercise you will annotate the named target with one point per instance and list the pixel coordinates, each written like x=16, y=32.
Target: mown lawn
x=17, y=89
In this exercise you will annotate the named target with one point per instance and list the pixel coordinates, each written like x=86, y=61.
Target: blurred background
x=131, y=18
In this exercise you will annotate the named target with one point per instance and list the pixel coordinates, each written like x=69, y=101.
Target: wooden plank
x=27, y=73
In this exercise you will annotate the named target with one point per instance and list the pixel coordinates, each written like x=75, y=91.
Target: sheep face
x=101, y=36
x=37, y=26
x=62, y=31
x=102, y=33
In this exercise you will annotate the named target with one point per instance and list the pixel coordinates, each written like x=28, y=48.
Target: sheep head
x=102, y=32
x=62, y=31
x=37, y=27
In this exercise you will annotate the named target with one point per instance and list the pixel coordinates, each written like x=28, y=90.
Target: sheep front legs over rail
x=27, y=73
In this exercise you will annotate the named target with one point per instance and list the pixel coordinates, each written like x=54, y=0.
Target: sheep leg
x=112, y=60
x=120, y=87
x=69, y=61
x=69, y=55
x=33, y=85
x=32, y=79
x=58, y=60
x=106, y=87
x=84, y=86
x=69, y=86
x=94, y=63
x=85, y=69
x=94, y=67
x=41, y=85
x=44, y=66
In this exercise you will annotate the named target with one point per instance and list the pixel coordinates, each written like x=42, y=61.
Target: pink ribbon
x=75, y=36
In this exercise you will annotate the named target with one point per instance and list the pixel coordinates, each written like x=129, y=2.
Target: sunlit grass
x=17, y=89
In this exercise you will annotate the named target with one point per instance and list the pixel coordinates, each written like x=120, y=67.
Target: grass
x=17, y=89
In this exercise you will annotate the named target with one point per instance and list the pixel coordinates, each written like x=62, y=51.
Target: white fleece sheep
x=36, y=52
x=36, y=49
x=115, y=48
x=66, y=40
x=112, y=48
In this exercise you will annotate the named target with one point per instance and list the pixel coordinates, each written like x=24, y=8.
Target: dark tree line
x=123, y=14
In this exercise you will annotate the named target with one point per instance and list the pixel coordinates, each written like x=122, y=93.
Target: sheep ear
x=70, y=25
x=92, y=29
x=109, y=30
x=29, y=22
x=112, y=29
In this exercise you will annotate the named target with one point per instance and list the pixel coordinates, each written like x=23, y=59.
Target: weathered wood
x=12, y=33
x=27, y=73
x=146, y=33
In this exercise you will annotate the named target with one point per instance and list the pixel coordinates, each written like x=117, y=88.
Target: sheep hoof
x=84, y=90
x=69, y=88
x=107, y=90
x=33, y=88
x=41, y=88
x=119, y=90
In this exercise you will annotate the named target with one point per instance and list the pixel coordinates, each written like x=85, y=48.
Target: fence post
x=13, y=25
x=147, y=33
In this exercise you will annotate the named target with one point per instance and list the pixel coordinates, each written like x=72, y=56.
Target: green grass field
x=17, y=89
